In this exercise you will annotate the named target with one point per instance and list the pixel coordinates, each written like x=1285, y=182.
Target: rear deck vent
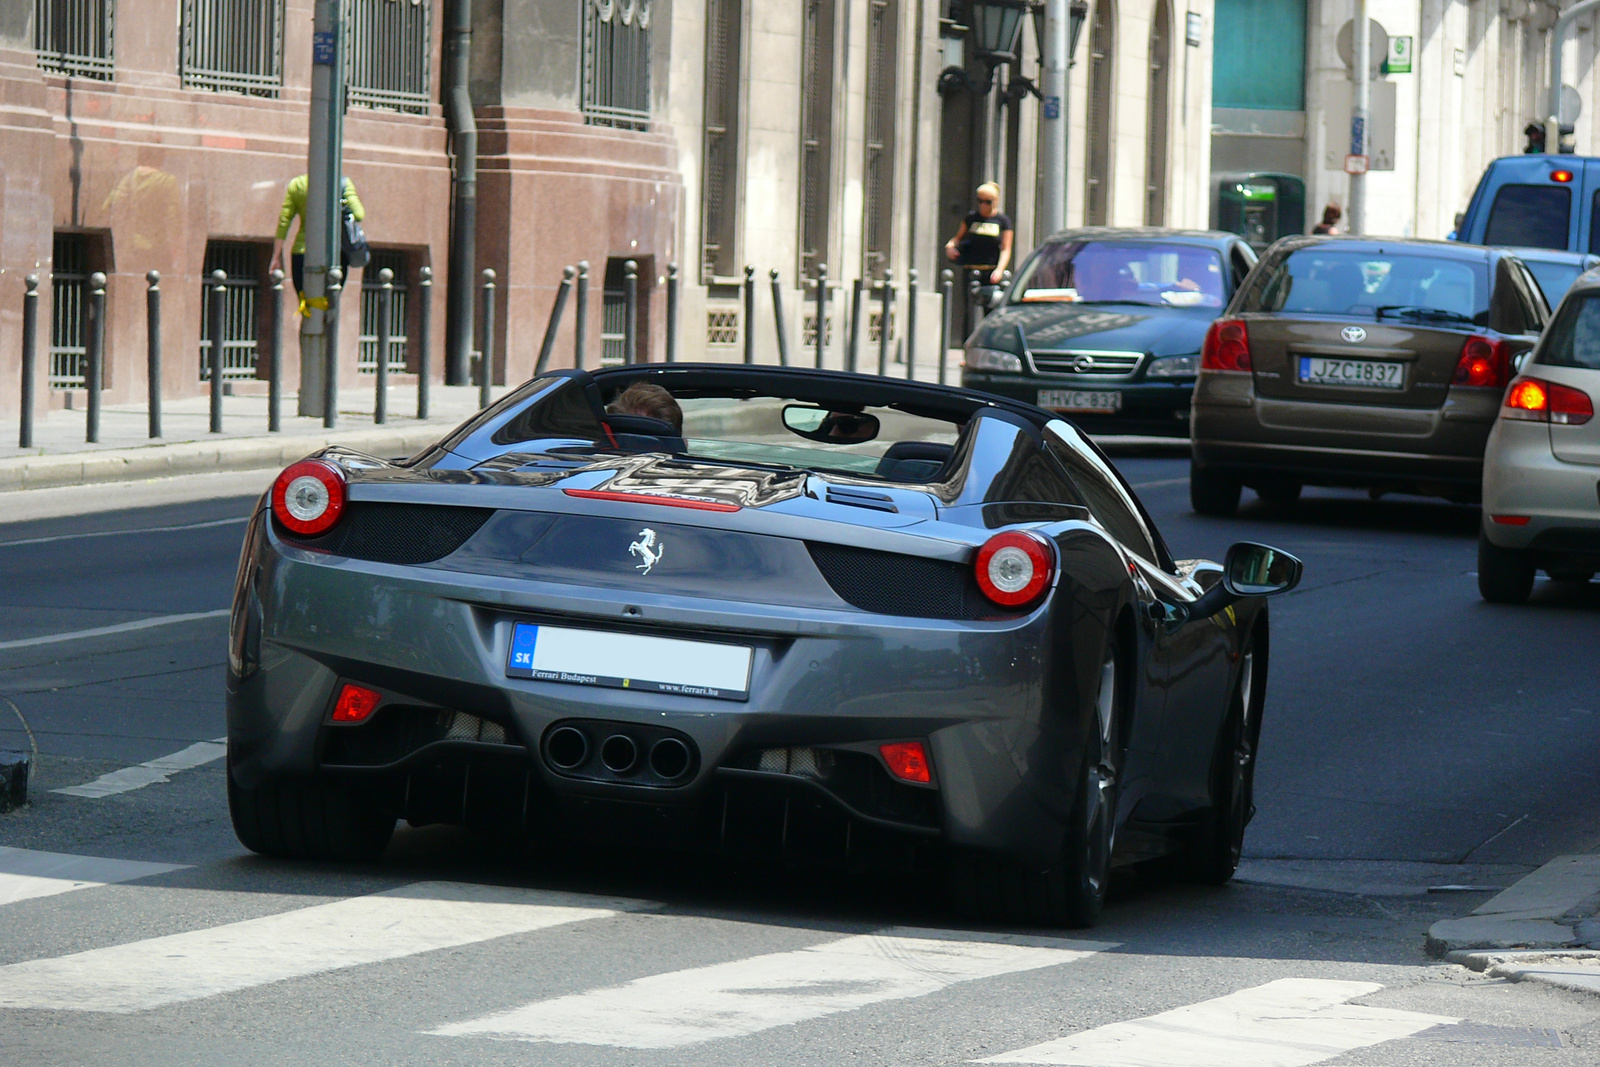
x=890, y=583
x=861, y=498
x=397, y=533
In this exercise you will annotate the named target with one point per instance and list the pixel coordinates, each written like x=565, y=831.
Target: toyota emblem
x=1354, y=334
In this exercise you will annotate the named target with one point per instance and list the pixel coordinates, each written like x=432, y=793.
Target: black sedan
x=1106, y=325
x=817, y=615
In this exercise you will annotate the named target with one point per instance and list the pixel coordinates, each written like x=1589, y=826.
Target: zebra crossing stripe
x=1292, y=1022
x=25, y=874
x=401, y=922
x=746, y=996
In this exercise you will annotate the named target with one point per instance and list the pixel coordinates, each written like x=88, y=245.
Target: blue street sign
x=322, y=48
x=1052, y=107
x=1358, y=135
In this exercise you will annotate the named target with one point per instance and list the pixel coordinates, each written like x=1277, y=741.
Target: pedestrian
x=984, y=240
x=294, y=206
x=1330, y=220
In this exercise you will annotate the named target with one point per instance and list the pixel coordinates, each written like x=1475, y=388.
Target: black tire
x=1505, y=575
x=308, y=820
x=1212, y=493
x=1281, y=493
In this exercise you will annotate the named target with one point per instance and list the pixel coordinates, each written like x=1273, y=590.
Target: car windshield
x=1374, y=285
x=1574, y=338
x=1553, y=278
x=1152, y=273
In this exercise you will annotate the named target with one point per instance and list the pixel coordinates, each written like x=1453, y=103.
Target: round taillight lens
x=309, y=497
x=1014, y=568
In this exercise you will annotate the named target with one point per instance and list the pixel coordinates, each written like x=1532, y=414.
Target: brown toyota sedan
x=1370, y=363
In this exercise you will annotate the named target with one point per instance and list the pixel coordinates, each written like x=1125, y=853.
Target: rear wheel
x=1505, y=575
x=301, y=819
x=1211, y=855
x=1212, y=493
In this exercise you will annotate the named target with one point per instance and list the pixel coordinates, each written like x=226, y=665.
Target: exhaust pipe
x=619, y=753
x=567, y=748
x=670, y=758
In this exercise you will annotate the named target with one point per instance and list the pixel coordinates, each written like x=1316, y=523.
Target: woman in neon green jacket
x=294, y=206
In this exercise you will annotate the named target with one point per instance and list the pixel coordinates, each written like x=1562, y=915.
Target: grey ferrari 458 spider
x=822, y=616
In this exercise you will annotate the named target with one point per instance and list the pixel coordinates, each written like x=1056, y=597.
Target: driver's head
x=652, y=401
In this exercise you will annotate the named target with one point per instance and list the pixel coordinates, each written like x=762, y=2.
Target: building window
x=816, y=133
x=243, y=263
x=1097, y=170
x=399, y=263
x=883, y=18
x=616, y=63
x=387, y=58
x=719, y=191
x=233, y=46
x=69, y=310
x=74, y=36
x=1156, y=127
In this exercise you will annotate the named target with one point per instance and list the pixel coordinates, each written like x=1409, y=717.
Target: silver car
x=1541, y=472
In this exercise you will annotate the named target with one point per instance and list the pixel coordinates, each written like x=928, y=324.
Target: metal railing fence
x=372, y=314
x=69, y=295
x=75, y=37
x=239, y=261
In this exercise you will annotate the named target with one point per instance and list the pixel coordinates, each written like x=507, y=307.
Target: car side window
x=1102, y=491
x=1507, y=308
x=1538, y=309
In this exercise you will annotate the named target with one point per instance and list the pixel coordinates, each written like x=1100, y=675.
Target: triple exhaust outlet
x=617, y=752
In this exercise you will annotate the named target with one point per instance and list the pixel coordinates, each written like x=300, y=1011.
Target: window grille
x=69, y=310
x=386, y=61
x=1155, y=136
x=1097, y=172
x=816, y=133
x=808, y=331
x=616, y=63
x=233, y=46
x=878, y=186
x=875, y=327
x=722, y=327
x=241, y=262
x=719, y=190
x=367, y=361
x=75, y=36
x=613, y=324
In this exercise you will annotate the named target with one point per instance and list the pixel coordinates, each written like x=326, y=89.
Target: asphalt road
x=1414, y=737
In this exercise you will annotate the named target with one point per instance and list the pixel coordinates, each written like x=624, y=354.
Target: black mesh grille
x=397, y=533
x=888, y=583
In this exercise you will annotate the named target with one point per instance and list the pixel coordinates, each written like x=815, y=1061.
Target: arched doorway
x=1097, y=166
x=1156, y=123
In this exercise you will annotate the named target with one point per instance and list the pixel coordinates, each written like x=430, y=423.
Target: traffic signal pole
x=324, y=153
x=1558, y=35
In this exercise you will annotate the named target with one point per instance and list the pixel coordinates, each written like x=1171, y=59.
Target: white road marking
x=1161, y=484
x=121, y=533
x=1292, y=1022
x=413, y=919
x=25, y=874
x=118, y=628
x=746, y=996
x=151, y=771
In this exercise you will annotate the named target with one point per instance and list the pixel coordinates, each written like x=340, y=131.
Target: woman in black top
x=985, y=236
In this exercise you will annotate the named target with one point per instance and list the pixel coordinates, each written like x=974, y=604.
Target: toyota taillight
x=309, y=497
x=1015, y=568
x=1484, y=361
x=907, y=760
x=356, y=703
x=1536, y=400
x=1226, y=347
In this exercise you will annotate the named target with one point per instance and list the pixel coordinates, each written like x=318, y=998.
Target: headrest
x=914, y=461
x=641, y=424
x=643, y=433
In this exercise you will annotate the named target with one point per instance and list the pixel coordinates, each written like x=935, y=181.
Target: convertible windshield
x=1375, y=285
x=764, y=430
x=1122, y=272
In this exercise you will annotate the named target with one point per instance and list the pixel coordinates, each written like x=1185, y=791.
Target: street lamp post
x=323, y=156
x=1057, y=24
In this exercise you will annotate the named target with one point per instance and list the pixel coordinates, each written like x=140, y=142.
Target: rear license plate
x=1098, y=401
x=1360, y=373
x=629, y=661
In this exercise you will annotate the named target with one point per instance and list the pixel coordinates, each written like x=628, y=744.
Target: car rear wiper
x=1423, y=313
x=1132, y=303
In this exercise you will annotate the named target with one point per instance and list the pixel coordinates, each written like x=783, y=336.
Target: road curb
x=201, y=457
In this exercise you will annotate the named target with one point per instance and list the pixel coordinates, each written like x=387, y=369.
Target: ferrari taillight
x=1015, y=568
x=309, y=497
x=1536, y=400
x=1226, y=347
x=1484, y=361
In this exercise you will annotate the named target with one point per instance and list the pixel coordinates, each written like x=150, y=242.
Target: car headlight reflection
x=989, y=359
x=1174, y=367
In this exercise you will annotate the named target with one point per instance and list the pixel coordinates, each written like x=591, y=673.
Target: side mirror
x=1248, y=570
x=1519, y=359
x=996, y=295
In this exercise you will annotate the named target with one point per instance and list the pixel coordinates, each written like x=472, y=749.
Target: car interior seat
x=643, y=433
x=914, y=461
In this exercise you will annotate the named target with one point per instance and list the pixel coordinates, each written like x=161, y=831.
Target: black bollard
x=580, y=325
x=974, y=312
x=630, y=304
x=424, y=339
x=218, y=307
x=822, y=312
x=777, y=317
x=380, y=401
x=486, y=360
x=674, y=295
x=30, y=345
x=152, y=329
x=885, y=321
x=330, y=371
x=554, y=325
x=94, y=370
x=275, y=371
x=748, y=325
x=853, y=346
x=947, y=287
x=911, y=325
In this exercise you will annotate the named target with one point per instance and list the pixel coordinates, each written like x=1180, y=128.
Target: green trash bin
x=1261, y=207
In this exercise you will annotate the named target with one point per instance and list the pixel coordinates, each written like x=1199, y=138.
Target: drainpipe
x=1558, y=34
x=464, y=195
